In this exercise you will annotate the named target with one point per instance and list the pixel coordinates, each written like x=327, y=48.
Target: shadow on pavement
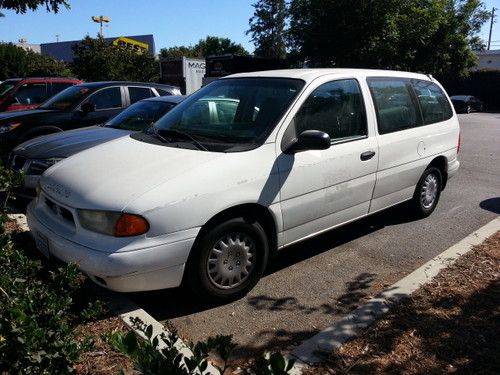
x=174, y=303
x=491, y=204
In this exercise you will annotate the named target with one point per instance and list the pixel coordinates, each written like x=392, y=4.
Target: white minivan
x=242, y=168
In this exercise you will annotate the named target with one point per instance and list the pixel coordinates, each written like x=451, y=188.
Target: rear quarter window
x=433, y=102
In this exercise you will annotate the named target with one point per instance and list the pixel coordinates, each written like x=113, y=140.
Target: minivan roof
x=311, y=74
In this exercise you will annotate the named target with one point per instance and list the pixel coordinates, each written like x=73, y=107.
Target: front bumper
x=147, y=268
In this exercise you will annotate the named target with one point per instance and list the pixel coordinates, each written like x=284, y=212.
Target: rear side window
x=163, y=92
x=433, y=102
x=336, y=108
x=393, y=104
x=139, y=93
x=107, y=98
x=31, y=93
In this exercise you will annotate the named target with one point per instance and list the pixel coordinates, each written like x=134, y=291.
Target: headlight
x=116, y=224
x=9, y=127
x=38, y=166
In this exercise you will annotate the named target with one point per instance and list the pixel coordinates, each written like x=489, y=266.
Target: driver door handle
x=367, y=155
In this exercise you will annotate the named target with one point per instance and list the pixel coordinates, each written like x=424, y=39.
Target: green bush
x=37, y=307
x=159, y=355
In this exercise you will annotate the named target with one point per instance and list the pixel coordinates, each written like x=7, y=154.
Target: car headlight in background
x=9, y=127
x=118, y=224
x=38, y=166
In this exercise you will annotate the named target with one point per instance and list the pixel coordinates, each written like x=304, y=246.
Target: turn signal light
x=130, y=225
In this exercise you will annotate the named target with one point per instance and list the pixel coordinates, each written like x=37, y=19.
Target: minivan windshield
x=228, y=115
x=67, y=98
x=140, y=115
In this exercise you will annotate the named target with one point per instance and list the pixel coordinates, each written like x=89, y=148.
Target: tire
x=214, y=271
x=427, y=192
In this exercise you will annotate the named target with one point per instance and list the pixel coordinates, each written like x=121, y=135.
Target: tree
x=16, y=62
x=180, y=51
x=434, y=36
x=97, y=60
x=213, y=45
x=209, y=46
x=267, y=28
x=22, y=6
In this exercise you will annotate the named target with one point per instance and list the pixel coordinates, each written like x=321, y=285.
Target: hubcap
x=429, y=191
x=231, y=260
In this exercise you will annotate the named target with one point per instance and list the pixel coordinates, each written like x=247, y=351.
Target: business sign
x=131, y=43
x=194, y=71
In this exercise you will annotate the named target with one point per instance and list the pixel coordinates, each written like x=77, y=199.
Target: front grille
x=60, y=211
x=17, y=162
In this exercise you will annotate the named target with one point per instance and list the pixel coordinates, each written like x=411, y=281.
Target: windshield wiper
x=154, y=132
x=174, y=132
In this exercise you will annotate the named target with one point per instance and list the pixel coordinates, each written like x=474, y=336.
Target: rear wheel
x=228, y=260
x=427, y=192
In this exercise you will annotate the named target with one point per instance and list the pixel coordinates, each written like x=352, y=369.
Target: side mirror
x=87, y=107
x=309, y=140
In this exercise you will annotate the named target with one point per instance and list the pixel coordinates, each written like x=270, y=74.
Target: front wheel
x=228, y=260
x=427, y=192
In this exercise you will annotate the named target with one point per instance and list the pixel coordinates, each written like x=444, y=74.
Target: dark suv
x=26, y=93
x=75, y=107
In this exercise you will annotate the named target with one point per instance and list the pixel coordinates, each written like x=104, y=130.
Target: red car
x=26, y=93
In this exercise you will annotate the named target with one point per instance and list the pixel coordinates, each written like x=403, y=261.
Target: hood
x=11, y=115
x=113, y=174
x=65, y=144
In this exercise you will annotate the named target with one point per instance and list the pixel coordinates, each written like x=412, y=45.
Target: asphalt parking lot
x=310, y=285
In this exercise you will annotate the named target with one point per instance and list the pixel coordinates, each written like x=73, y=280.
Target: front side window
x=107, y=98
x=231, y=114
x=393, y=104
x=139, y=115
x=335, y=108
x=139, y=93
x=31, y=93
x=6, y=87
x=433, y=102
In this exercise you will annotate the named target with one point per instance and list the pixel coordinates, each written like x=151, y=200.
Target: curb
x=313, y=350
x=127, y=309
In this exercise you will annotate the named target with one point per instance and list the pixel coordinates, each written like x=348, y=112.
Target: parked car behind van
x=207, y=201
x=466, y=103
x=25, y=93
x=76, y=107
x=33, y=157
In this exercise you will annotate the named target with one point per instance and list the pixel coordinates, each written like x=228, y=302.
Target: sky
x=172, y=22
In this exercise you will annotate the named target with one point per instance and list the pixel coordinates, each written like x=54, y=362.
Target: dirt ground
x=449, y=326
x=103, y=359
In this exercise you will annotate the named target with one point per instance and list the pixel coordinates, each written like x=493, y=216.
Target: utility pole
x=100, y=20
x=491, y=26
x=57, y=38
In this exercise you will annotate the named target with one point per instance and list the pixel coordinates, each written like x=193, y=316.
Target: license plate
x=42, y=244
